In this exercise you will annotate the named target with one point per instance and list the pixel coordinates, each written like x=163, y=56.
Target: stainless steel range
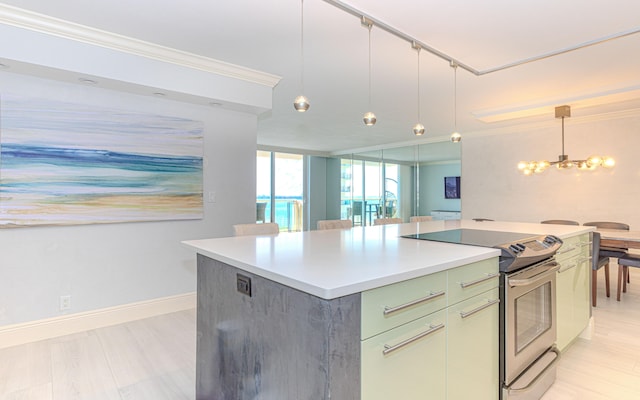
x=527, y=306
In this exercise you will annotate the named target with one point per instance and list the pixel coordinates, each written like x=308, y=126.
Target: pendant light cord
x=369, y=28
x=418, y=83
x=455, y=97
x=302, y=46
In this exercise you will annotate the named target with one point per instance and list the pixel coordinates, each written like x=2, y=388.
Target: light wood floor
x=150, y=359
x=154, y=359
x=608, y=365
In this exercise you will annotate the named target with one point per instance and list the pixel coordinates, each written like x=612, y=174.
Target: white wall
x=109, y=265
x=494, y=188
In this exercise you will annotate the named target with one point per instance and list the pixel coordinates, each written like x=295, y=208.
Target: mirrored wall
x=400, y=182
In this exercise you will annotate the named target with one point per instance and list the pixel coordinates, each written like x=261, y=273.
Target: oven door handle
x=545, y=270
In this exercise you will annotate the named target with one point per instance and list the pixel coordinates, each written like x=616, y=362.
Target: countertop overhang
x=335, y=263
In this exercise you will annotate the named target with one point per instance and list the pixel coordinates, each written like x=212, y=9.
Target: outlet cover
x=65, y=302
x=243, y=284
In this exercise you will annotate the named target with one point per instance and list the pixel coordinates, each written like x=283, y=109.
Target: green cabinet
x=406, y=362
x=472, y=348
x=434, y=337
x=389, y=306
x=573, y=296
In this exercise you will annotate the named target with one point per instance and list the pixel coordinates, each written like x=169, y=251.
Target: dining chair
x=356, y=212
x=420, y=218
x=608, y=225
x=334, y=224
x=387, y=221
x=260, y=211
x=598, y=261
x=624, y=262
x=613, y=252
x=560, y=222
x=270, y=228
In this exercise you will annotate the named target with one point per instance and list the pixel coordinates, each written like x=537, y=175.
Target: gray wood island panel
x=280, y=343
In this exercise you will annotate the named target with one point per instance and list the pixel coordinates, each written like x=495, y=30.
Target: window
x=279, y=189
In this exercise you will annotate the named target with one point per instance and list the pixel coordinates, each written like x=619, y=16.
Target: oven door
x=530, y=326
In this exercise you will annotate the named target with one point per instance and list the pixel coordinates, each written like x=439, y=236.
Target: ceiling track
x=454, y=62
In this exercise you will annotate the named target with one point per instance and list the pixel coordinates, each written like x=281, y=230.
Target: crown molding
x=546, y=107
x=41, y=23
x=632, y=112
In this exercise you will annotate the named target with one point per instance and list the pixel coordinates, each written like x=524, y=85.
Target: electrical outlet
x=211, y=197
x=243, y=284
x=65, y=302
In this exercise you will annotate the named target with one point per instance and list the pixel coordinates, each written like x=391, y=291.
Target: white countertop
x=334, y=263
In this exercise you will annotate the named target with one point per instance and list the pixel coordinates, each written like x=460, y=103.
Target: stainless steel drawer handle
x=390, y=310
x=567, y=268
x=568, y=249
x=465, y=285
x=432, y=328
x=489, y=303
x=540, y=375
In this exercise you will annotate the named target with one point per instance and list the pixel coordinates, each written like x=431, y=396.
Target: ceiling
x=265, y=35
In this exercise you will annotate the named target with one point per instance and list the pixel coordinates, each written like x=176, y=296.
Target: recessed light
x=88, y=81
x=215, y=104
x=159, y=94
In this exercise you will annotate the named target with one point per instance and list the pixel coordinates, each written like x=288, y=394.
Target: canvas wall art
x=63, y=163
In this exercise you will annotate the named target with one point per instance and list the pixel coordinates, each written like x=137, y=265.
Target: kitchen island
x=292, y=316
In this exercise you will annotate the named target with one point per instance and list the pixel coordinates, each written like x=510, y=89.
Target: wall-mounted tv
x=451, y=187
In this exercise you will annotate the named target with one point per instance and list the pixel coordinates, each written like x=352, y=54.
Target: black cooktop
x=474, y=237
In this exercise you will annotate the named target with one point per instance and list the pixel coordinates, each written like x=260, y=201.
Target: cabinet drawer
x=416, y=368
x=573, y=262
x=573, y=246
x=472, y=279
x=393, y=305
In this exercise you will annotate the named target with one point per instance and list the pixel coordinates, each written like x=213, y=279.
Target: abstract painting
x=65, y=163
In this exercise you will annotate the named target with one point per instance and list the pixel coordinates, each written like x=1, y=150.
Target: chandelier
x=591, y=163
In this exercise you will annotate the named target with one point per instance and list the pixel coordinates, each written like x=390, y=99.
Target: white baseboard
x=13, y=335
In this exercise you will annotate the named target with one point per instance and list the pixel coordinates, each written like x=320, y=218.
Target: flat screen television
x=451, y=187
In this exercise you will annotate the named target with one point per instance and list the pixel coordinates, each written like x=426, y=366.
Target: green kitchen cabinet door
x=573, y=305
x=473, y=347
x=407, y=362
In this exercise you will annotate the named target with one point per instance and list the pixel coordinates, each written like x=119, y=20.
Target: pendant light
x=369, y=117
x=301, y=104
x=418, y=128
x=455, y=136
x=591, y=163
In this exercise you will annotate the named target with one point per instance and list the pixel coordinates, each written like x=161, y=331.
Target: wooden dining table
x=619, y=238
